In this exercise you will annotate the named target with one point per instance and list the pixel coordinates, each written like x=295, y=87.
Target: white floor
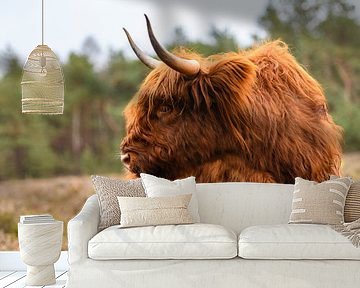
x=13, y=271
x=16, y=279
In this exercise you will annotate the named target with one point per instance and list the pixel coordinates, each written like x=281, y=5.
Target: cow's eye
x=165, y=109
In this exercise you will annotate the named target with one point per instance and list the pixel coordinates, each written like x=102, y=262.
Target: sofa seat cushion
x=191, y=241
x=295, y=241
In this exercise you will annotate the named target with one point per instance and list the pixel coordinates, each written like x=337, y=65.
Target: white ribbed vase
x=40, y=247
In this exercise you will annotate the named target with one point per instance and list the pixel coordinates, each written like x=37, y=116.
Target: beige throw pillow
x=107, y=190
x=159, y=187
x=352, y=203
x=138, y=211
x=320, y=203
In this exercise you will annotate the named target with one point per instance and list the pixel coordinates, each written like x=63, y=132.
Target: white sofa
x=250, y=221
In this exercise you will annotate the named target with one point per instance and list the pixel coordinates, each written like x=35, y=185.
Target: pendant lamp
x=43, y=81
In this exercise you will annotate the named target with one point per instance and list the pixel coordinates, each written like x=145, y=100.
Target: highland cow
x=254, y=115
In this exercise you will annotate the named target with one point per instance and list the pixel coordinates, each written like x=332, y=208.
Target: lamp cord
x=42, y=58
x=42, y=22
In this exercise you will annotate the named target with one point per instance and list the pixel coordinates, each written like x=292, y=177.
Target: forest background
x=45, y=161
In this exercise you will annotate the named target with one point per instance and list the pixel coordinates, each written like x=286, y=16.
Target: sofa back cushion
x=238, y=205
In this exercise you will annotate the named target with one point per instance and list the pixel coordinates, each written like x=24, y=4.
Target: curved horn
x=184, y=66
x=147, y=60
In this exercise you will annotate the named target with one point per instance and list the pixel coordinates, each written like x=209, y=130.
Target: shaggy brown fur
x=255, y=116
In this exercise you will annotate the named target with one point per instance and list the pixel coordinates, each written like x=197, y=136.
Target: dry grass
x=63, y=197
x=351, y=165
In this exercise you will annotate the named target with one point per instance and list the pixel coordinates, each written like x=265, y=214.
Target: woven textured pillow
x=107, y=190
x=320, y=203
x=352, y=203
x=139, y=211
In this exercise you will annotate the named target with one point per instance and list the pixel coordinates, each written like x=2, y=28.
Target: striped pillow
x=320, y=203
x=352, y=203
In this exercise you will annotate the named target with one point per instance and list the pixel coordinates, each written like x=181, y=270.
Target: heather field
x=64, y=196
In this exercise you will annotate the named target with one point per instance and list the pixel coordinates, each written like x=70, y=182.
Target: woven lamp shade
x=42, y=83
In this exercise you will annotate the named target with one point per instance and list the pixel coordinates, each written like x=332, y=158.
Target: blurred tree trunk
x=110, y=122
x=345, y=75
x=75, y=135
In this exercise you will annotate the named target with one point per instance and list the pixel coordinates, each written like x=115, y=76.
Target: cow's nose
x=125, y=158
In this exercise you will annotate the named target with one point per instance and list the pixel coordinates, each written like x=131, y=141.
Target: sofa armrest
x=82, y=228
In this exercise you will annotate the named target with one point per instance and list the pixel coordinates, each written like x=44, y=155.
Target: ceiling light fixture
x=43, y=81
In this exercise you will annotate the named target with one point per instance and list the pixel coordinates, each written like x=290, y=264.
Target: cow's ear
x=233, y=75
x=226, y=85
